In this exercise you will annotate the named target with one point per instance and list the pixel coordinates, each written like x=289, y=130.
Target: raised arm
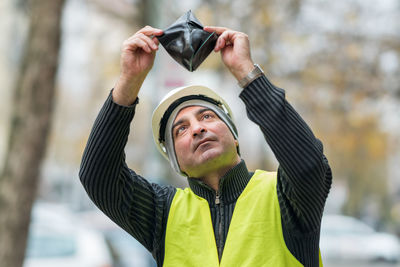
x=127, y=198
x=137, y=58
x=304, y=176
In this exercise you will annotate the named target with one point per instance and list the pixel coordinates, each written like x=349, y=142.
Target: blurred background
x=339, y=62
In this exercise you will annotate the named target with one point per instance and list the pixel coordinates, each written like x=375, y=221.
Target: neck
x=213, y=178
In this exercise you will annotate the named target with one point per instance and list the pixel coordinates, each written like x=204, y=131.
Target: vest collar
x=231, y=185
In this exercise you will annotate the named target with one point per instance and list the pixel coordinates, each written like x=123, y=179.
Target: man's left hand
x=235, y=50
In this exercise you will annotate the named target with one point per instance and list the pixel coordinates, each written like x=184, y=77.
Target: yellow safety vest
x=255, y=234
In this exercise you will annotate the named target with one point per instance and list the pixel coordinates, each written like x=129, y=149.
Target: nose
x=198, y=129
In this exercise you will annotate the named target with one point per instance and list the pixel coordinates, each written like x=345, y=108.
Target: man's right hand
x=137, y=58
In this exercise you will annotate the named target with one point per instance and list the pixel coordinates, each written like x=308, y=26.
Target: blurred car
x=345, y=238
x=126, y=250
x=58, y=239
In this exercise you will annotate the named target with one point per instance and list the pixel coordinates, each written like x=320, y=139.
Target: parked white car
x=127, y=251
x=345, y=238
x=58, y=239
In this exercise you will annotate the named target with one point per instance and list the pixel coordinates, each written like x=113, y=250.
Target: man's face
x=203, y=142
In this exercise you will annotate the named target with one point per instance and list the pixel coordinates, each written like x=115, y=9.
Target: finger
x=217, y=30
x=219, y=45
x=225, y=39
x=140, y=36
x=136, y=43
x=148, y=40
x=155, y=40
x=148, y=30
x=142, y=44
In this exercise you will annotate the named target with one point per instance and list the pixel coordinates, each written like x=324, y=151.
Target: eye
x=207, y=116
x=180, y=129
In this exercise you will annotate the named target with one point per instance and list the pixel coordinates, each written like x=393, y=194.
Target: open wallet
x=187, y=42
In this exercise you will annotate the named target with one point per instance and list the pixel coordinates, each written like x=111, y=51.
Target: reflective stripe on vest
x=255, y=233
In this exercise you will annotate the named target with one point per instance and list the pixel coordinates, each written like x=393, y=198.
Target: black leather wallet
x=187, y=42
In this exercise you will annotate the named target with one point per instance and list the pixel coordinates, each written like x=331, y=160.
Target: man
x=229, y=216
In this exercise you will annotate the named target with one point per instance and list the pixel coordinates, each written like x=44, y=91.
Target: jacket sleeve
x=304, y=176
x=135, y=204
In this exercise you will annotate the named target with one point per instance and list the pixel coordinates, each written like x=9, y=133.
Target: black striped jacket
x=141, y=208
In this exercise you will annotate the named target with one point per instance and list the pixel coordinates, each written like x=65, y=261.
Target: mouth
x=205, y=140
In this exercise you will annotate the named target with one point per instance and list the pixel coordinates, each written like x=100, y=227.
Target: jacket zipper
x=217, y=200
x=220, y=213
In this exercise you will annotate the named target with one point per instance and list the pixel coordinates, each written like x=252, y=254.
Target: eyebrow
x=198, y=112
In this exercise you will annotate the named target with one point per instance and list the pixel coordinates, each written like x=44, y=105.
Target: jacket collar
x=231, y=185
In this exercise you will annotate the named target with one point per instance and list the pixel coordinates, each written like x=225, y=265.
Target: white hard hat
x=177, y=99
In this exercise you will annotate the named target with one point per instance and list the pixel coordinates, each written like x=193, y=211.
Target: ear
x=236, y=143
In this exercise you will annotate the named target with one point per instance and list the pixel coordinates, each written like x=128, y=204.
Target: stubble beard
x=211, y=160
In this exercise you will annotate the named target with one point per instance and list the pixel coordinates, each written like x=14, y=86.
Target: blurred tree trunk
x=149, y=12
x=30, y=125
